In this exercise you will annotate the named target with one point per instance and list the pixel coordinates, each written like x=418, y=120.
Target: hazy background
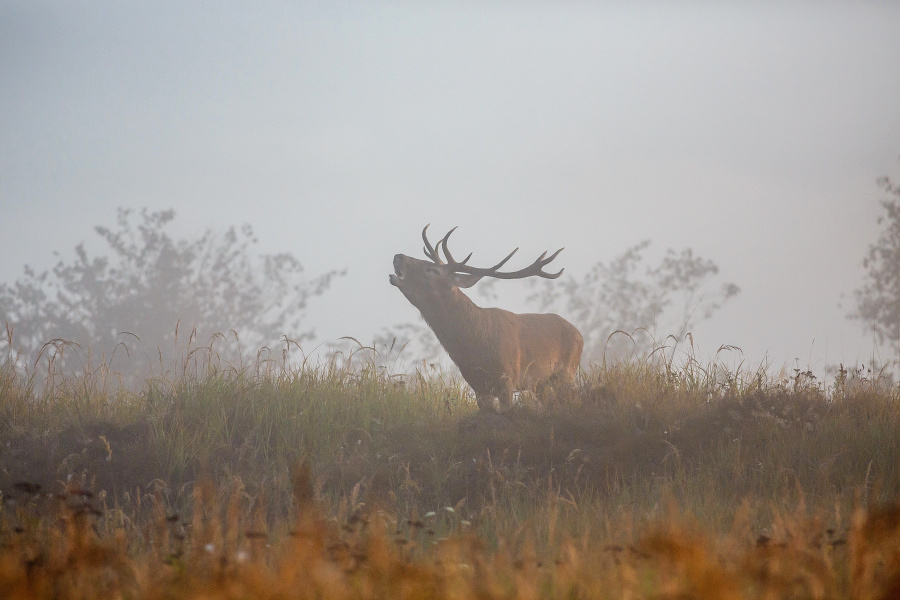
x=752, y=133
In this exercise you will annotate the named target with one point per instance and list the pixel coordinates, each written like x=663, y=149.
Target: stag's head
x=424, y=281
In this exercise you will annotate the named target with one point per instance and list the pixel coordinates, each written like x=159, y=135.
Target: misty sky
x=751, y=132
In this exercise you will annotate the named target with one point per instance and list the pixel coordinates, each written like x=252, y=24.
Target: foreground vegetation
x=649, y=480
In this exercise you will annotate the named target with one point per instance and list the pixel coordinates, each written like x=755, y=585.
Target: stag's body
x=497, y=351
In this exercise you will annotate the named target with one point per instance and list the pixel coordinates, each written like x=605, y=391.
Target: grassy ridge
x=648, y=479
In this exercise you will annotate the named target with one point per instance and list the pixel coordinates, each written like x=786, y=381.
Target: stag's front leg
x=486, y=402
x=498, y=401
x=505, y=396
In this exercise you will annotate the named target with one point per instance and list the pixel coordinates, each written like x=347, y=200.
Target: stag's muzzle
x=396, y=278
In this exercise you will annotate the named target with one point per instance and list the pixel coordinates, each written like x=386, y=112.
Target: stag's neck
x=454, y=320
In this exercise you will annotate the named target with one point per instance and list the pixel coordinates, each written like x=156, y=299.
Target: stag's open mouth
x=396, y=278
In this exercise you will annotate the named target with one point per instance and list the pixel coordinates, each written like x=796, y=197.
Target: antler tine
x=450, y=259
x=429, y=250
x=504, y=261
x=443, y=243
x=535, y=269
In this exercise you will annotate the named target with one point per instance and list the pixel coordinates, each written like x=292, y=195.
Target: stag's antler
x=535, y=269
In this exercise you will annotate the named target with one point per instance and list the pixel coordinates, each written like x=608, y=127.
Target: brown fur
x=497, y=351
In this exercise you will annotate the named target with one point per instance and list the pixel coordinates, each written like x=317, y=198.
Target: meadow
x=657, y=477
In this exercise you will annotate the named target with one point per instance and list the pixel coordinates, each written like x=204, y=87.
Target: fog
x=753, y=134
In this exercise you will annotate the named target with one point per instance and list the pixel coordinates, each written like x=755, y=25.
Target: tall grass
x=652, y=478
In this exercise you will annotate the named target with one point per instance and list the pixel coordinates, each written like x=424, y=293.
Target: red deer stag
x=497, y=351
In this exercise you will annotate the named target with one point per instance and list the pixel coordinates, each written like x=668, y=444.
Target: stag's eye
x=432, y=271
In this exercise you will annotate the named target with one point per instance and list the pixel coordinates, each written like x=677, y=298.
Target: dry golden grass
x=342, y=481
x=64, y=547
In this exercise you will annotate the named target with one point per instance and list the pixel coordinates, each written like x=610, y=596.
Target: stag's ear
x=465, y=280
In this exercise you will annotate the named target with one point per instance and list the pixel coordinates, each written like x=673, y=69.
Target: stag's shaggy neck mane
x=460, y=324
x=444, y=315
